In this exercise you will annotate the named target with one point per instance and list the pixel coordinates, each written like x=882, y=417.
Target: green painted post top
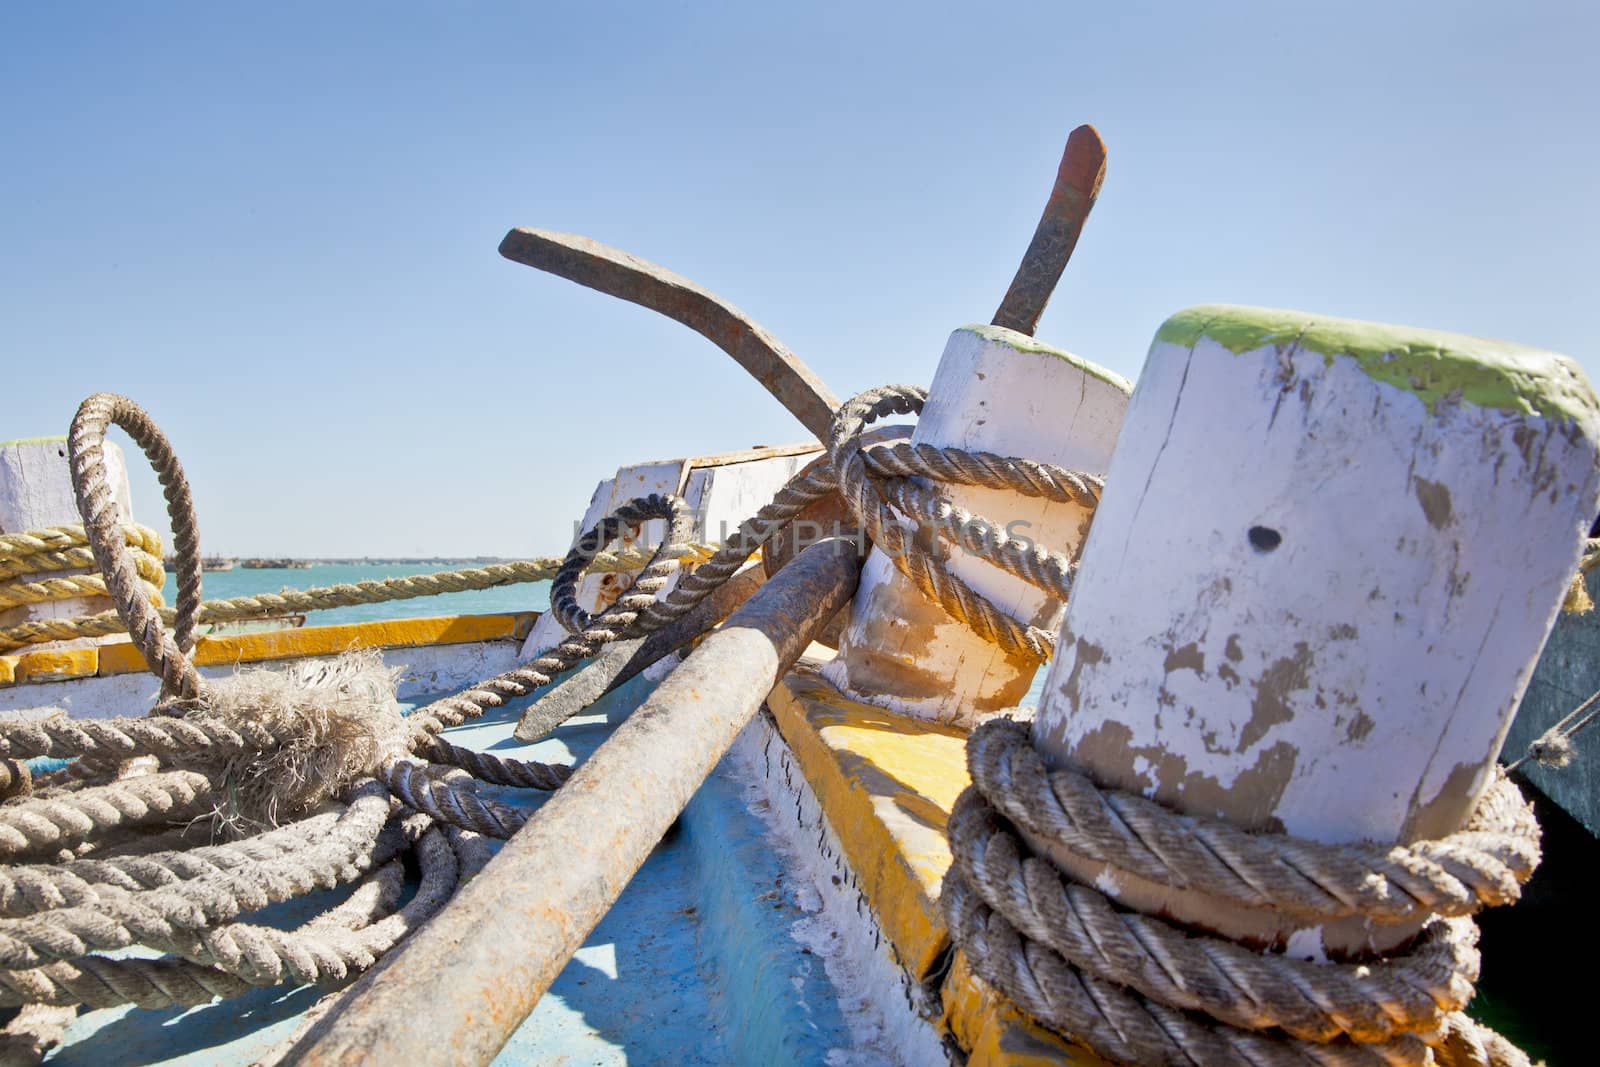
x=1025, y=343
x=1428, y=363
x=60, y=439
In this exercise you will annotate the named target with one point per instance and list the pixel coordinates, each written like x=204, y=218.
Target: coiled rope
x=60, y=911
x=87, y=863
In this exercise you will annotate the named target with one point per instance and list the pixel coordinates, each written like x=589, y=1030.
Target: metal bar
x=616, y=273
x=1083, y=168
x=463, y=984
x=621, y=660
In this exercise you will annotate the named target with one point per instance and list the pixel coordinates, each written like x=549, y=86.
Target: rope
x=127, y=887
x=1554, y=748
x=57, y=917
x=322, y=598
x=1134, y=987
x=1139, y=989
x=870, y=479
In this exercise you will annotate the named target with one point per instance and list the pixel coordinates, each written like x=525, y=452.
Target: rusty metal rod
x=621, y=660
x=462, y=985
x=627, y=277
x=1083, y=168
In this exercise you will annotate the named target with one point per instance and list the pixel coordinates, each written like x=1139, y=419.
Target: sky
x=274, y=226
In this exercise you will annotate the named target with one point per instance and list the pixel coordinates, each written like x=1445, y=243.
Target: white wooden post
x=36, y=492
x=1000, y=391
x=1325, y=562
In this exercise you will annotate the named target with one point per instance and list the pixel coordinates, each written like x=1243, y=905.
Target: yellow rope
x=68, y=587
x=31, y=562
x=55, y=538
x=72, y=559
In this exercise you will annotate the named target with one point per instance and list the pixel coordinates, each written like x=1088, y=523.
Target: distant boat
x=216, y=563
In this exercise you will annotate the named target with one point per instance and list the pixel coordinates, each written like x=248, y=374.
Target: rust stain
x=1232, y=649
x=1249, y=801
x=1087, y=654
x=1107, y=750
x=1252, y=798
x=1187, y=658
x=1448, y=810
x=1359, y=727
x=1435, y=501
x=1271, y=703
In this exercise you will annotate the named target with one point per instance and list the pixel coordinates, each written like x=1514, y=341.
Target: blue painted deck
x=694, y=965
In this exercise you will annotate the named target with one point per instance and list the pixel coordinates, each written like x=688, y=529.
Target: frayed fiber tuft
x=336, y=720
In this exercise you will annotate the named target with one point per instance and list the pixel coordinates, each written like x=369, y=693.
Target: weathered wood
x=36, y=492
x=1568, y=674
x=1325, y=562
x=1000, y=391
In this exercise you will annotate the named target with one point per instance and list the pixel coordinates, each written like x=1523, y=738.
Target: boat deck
x=696, y=963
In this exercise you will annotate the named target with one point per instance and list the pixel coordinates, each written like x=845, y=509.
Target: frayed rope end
x=336, y=720
x=1552, y=749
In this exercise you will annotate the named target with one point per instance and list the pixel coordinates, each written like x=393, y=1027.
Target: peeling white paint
x=1306, y=944
x=1348, y=670
x=1108, y=882
x=995, y=391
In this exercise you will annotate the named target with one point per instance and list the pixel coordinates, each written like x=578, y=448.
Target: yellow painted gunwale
x=886, y=783
x=118, y=656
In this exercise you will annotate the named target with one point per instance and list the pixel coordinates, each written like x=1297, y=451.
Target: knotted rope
x=1133, y=987
x=31, y=564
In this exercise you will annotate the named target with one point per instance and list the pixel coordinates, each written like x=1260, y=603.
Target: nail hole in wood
x=1264, y=538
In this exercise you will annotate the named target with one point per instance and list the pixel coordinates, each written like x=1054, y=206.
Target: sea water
x=222, y=585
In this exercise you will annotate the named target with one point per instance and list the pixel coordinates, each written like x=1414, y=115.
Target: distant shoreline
x=377, y=561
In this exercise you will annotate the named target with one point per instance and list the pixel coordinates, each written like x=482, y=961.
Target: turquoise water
x=220, y=585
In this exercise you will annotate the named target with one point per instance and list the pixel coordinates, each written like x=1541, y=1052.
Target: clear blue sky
x=274, y=225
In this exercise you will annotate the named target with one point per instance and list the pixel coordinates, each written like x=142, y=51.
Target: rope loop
x=168, y=655
x=625, y=521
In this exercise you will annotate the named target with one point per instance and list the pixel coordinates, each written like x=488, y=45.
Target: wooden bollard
x=1325, y=562
x=1000, y=391
x=36, y=492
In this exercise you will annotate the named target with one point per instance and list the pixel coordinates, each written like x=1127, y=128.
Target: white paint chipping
x=1353, y=678
x=995, y=391
x=1306, y=944
x=885, y=1009
x=1108, y=882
